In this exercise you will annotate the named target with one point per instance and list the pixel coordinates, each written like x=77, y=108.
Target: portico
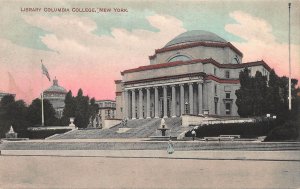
x=164, y=100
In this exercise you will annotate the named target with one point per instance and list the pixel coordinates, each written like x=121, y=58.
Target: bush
x=246, y=130
x=40, y=133
x=289, y=131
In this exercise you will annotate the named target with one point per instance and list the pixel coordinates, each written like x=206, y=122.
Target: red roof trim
x=152, y=56
x=168, y=64
x=204, y=61
x=195, y=44
x=242, y=65
x=118, y=81
x=207, y=77
x=166, y=78
x=231, y=81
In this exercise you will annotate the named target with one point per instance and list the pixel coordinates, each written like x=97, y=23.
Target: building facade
x=56, y=95
x=195, y=73
x=107, y=110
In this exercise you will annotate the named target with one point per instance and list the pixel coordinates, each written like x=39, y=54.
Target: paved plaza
x=142, y=163
x=53, y=171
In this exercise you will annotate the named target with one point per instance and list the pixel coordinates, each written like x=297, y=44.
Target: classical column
x=200, y=98
x=165, y=101
x=133, y=104
x=191, y=100
x=173, y=101
x=148, y=102
x=181, y=98
x=156, y=101
x=126, y=108
x=204, y=89
x=140, y=103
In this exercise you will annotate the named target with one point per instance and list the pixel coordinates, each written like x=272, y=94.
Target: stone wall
x=188, y=120
x=108, y=123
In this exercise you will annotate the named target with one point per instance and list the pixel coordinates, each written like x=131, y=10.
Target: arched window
x=179, y=58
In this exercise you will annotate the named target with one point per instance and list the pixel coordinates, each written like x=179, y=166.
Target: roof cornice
x=204, y=61
x=196, y=44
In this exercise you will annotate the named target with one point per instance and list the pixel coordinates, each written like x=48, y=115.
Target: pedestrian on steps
x=193, y=134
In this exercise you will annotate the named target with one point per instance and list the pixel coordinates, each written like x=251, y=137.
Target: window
x=179, y=58
x=227, y=95
x=228, y=108
x=216, y=91
x=216, y=105
x=227, y=74
x=215, y=71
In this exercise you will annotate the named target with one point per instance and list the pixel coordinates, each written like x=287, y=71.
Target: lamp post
x=290, y=88
x=186, y=107
x=268, y=117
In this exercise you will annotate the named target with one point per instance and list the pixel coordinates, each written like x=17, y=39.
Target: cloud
x=260, y=43
x=81, y=58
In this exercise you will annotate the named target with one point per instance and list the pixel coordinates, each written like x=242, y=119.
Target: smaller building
x=2, y=94
x=107, y=110
x=56, y=95
x=105, y=118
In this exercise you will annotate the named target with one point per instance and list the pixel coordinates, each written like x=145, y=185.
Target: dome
x=195, y=36
x=55, y=88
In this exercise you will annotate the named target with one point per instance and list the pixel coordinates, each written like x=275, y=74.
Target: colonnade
x=163, y=101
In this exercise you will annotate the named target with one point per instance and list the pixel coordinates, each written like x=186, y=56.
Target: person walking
x=170, y=148
x=193, y=134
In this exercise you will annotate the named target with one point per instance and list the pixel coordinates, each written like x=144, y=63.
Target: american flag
x=45, y=71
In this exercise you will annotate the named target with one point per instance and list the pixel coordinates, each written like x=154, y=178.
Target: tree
x=80, y=107
x=273, y=102
x=259, y=94
x=69, y=109
x=244, y=99
x=256, y=98
x=93, y=108
x=34, y=113
x=251, y=97
x=6, y=100
x=13, y=113
x=82, y=110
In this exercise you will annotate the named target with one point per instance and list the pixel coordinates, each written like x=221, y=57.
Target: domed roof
x=56, y=88
x=195, y=36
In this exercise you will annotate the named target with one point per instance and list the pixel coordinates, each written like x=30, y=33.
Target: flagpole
x=42, y=97
x=290, y=83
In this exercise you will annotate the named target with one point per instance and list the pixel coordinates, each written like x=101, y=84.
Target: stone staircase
x=139, y=128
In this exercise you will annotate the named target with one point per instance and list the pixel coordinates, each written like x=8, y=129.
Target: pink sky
x=82, y=59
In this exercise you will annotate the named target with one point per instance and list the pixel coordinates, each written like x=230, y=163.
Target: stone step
x=148, y=145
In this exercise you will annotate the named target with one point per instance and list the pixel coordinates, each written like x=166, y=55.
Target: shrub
x=287, y=132
x=41, y=133
x=246, y=130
